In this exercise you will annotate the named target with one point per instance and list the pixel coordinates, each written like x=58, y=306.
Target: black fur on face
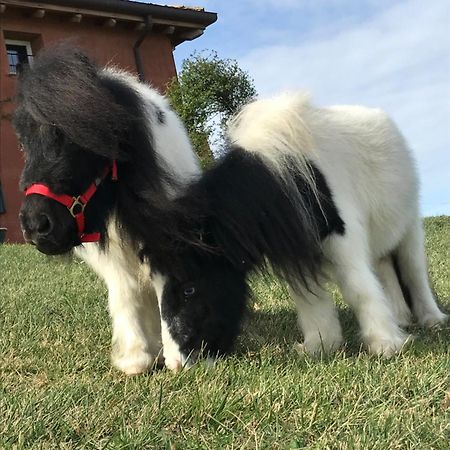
x=72, y=120
x=65, y=168
x=204, y=304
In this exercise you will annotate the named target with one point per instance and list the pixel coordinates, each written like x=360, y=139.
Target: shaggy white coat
x=371, y=174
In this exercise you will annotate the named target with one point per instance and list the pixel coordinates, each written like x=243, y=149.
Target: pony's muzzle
x=47, y=225
x=36, y=226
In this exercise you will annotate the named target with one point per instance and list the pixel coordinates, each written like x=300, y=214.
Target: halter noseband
x=76, y=205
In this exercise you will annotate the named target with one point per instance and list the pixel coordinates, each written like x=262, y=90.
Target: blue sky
x=383, y=53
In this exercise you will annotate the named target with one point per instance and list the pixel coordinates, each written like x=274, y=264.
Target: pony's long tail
x=277, y=130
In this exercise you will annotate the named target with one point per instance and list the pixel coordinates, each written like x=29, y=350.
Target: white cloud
x=398, y=59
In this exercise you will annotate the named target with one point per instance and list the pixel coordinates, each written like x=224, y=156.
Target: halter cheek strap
x=76, y=205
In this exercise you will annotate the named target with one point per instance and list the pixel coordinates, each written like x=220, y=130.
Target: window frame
x=2, y=201
x=18, y=43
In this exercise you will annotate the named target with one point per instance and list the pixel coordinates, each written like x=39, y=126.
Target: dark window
x=2, y=201
x=18, y=55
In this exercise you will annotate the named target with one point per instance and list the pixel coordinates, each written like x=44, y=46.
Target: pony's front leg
x=393, y=292
x=133, y=306
x=136, y=339
x=173, y=358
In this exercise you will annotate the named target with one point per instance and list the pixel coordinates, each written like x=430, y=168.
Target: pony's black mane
x=240, y=211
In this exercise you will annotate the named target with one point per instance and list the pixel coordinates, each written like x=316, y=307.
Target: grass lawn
x=58, y=389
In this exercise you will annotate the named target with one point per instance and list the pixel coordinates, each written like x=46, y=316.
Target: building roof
x=179, y=22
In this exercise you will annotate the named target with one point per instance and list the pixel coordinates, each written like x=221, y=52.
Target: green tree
x=207, y=92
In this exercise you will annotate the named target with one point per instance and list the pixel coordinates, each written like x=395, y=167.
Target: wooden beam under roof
x=76, y=18
x=39, y=13
x=190, y=35
x=169, y=30
x=139, y=26
x=110, y=23
x=95, y=13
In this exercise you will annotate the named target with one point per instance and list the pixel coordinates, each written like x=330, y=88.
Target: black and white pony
x=73, y=120
x=318, y=194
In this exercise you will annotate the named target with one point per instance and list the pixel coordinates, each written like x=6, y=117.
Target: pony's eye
x=189, y=291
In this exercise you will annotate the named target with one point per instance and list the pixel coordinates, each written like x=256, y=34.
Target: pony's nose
x=36, y=226
x=43, y=224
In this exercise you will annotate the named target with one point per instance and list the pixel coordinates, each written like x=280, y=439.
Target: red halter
x=76, y=205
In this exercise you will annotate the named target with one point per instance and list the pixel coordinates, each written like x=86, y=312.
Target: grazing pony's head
x=203, y=300
x=73, y=122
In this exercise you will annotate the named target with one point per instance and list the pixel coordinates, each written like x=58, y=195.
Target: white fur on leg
x=362, y=290
x=318, y=319
x=136, y=340
x=412, y=263
x=173, y=359
x=393, y=292
x=378, y=326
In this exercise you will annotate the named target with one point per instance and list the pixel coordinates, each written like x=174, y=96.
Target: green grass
x=58, y=390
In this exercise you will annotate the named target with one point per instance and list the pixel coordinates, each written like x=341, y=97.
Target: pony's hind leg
x=362, y=290
x=393, y=292
x=317, y=318
x=411, y=261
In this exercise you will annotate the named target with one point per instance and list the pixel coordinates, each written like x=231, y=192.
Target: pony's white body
x=133, y=305
x=371, y=175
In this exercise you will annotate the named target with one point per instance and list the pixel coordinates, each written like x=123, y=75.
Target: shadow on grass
x=280, y=329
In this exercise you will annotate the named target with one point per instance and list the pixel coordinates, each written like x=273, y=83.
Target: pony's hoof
x=389, y=347
x=317, y=347
x=174, y=365
x=436, y=320
x=137, y=363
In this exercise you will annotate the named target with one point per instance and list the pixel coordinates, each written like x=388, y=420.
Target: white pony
x=320, y=194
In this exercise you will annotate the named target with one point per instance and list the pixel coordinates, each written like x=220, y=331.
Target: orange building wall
x=105, y=45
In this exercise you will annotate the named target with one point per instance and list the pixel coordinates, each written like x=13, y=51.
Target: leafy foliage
x=208, y=91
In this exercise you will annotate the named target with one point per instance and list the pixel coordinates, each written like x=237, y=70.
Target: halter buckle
x=77, y=207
